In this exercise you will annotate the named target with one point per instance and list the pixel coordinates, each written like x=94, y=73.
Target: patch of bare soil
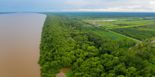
x=61, y=74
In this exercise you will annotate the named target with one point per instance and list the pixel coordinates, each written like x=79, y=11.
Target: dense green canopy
x=71, y=43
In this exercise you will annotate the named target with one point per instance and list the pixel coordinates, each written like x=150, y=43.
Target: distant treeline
x=104, y=14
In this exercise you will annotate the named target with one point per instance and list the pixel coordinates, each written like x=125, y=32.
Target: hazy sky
x=78, y=5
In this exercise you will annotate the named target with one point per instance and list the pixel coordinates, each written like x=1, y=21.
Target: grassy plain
x=136, y=28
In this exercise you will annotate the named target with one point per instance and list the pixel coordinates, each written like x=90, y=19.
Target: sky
x=77, y=5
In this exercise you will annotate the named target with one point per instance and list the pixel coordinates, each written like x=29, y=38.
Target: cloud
x=79, y=5
x=111, y=5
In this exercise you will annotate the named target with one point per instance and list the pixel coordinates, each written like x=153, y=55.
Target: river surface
x=20, y=35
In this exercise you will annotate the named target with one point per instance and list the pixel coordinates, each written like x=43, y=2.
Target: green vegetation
x=89, y=50
x=136, y=33
x=69, y=74
x=120, y=23
x=137, y=28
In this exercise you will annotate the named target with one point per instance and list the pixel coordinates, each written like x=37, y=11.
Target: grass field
x=120, y=23
x=136, y=28
x=140, y=34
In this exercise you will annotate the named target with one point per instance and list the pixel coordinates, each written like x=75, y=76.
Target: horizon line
x=72, y=11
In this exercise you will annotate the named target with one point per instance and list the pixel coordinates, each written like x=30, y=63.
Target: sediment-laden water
x=20, y=35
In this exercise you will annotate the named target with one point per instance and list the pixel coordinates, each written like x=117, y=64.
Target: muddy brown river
x=20, y=35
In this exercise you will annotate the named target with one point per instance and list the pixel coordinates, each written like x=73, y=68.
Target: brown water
x=20, y=35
